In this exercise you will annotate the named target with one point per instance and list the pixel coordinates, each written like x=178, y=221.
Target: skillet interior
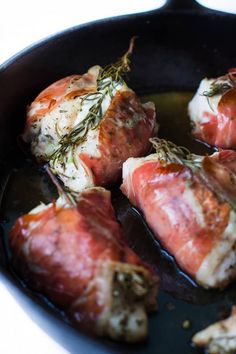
x=174, y=50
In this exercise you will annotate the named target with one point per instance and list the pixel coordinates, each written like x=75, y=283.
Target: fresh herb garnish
x=171, y=153
x=108, y=79
x=217, y=88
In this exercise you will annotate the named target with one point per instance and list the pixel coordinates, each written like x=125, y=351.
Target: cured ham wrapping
x=189, y=203
x=213, y=111
x=88, y=125
x=77, y=257
x=220, y=337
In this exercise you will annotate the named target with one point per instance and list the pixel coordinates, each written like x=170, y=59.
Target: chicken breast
x=213, y=111
x=189, y=203
x=219, y=338
x=87, y=126
x=77, y=256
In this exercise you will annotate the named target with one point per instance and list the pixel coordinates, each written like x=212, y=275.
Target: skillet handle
x=185, y=5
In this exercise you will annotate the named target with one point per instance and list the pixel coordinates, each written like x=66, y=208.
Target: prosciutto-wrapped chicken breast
x=88, y=125
x=213, y=111
x=189, y=203
x=76, y=255
x=219, y=338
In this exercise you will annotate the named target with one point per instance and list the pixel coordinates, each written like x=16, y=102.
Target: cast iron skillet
x=177, y=46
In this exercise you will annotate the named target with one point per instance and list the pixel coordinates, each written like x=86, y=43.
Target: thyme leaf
x=109, y=78
x=217, y=88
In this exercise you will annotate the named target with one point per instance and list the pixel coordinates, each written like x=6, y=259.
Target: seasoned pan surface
x=174, y=50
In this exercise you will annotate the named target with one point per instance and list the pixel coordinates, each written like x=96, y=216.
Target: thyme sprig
x=119, y=69
x=221, y=84
x=108, y=79
x=171, y=153
x=217, y=88
x=62, y=193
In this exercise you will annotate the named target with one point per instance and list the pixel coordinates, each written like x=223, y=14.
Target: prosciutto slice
x=76, y=255
x=189, y=203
